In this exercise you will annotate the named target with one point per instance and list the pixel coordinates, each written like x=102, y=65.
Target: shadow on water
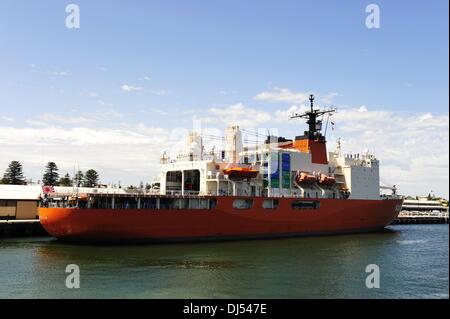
x=211, y=254
x=202, y=242
x=206, y=241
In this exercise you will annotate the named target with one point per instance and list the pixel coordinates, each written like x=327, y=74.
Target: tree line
x=14, y=176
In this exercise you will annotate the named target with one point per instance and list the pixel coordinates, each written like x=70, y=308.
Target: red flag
x=48, y=189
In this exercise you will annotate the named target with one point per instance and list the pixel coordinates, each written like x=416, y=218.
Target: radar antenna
x=314, y=124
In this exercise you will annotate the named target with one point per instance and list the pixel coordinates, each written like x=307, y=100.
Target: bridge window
x=271, y=203
x=134, y=202
x=243, y=203
x=173, y=181
x=305, y=204
x=188, y=203
x=191, y=181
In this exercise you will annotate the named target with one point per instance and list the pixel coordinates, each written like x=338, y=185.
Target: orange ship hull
x=334, y=216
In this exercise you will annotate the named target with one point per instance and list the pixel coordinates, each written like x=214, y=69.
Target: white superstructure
x=278, y=167
x=197, y=172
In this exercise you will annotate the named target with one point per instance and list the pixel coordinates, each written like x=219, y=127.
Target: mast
x=314, y=124
x=312, y=141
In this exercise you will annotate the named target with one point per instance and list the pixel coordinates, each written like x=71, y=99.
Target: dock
x=421, y=219
x=21, y=228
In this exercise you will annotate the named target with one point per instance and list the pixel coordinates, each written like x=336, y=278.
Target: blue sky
x=184, y=58
x=195, y=49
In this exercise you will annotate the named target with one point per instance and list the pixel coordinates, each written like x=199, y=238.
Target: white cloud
x=128, y=155
x=159, y=92
x=103, y=103
x=35, y=122
x=286, y=95
x=130, y=88
x=284, y=115
x=413, y=148
x=60, y=119
x=226, y=92
x=7, y=119
x=158, y=111
x=60, y=73
x=328, y=98
x=237, y=114
x=99, y=116
x=282, y=95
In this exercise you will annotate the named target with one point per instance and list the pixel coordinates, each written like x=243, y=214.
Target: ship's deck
x=157, y=201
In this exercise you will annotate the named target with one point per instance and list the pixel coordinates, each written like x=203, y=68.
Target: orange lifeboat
x=240, y=172
x=326, y=180
x=80, y=197
x=306, y=178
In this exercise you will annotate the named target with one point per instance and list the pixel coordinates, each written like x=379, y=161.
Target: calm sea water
x=413, y=262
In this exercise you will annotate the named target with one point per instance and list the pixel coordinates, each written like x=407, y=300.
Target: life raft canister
x=326, y=180
x=306, y=178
